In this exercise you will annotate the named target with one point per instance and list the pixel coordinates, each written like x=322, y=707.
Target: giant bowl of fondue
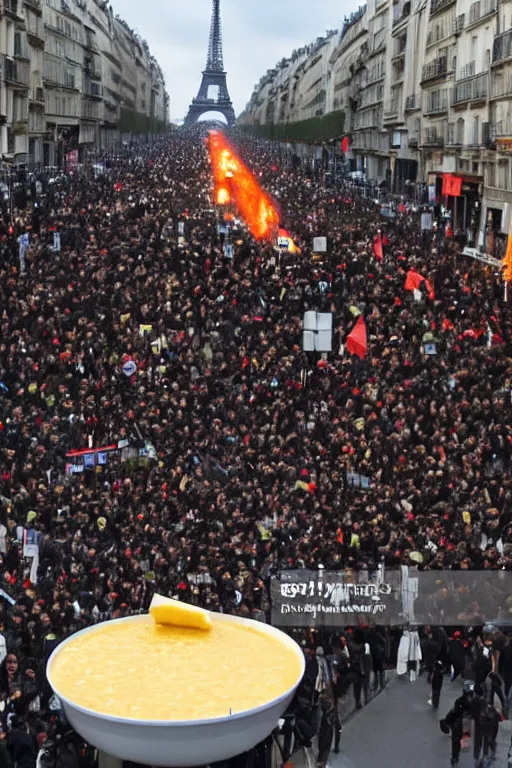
x=169, y=695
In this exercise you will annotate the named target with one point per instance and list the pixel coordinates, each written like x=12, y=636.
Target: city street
x=398, y=728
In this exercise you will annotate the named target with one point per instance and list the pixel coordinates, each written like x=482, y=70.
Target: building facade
x=74, y=77
x=426, y=88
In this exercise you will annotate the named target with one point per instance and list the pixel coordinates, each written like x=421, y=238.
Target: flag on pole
x=356, y=340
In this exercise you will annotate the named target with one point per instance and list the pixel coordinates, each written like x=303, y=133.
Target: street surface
x=399, y=730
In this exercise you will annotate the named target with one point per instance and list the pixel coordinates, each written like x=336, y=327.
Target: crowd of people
x=140, y=330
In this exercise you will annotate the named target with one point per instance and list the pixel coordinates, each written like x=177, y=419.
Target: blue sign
x=129, y=368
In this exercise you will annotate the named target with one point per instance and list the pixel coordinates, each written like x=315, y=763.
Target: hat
x=31, y=516
x=102, y=523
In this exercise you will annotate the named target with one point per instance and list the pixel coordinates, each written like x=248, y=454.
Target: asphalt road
x=398, y=729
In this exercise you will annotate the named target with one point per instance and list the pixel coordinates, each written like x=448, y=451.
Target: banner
x=303, y=598
x=452, y=185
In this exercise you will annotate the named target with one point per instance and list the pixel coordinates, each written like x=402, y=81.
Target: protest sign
x=317, y=332
x=304, y=598
x=320, y=244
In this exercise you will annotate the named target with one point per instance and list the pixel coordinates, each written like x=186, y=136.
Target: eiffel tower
x=214, y=78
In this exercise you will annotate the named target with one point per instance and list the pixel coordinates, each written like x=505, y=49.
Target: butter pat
x=164, y=610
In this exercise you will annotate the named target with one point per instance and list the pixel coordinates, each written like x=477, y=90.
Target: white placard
x=283, y=242
x=317, y=332
x=320, y=244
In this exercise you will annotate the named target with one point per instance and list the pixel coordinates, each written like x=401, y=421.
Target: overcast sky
x=257, y=34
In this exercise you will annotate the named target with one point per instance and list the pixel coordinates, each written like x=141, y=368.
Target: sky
x=256, y=35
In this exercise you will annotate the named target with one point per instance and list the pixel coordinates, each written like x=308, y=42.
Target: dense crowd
x=250, y=437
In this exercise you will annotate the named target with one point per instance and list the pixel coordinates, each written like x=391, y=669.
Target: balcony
x=437, y=6
x=500, y=87
x=471, y=89
x=11, y=8
x=501, y=130
x=502, y=47
x=458, y=24
x=92, y=90
x=413, y=102
x=437, y=104
x=16, y=73
x=35, y=5
x=437, y=68
x=401, y=13
x=35, y=31
x=37, y=96
x=373, y=76
x=468, y=70
x=432, y=138
x=90, y=42
x=93, y=74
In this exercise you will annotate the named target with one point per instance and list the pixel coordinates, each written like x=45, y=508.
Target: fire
x=223, y=197
x=234, y=182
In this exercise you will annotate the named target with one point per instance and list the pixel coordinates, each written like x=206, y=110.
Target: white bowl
x=179, y=743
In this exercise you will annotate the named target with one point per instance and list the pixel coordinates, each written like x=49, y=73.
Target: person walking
x=328, y=721
x=453, y=723
x=436, y=682
x=357, y=651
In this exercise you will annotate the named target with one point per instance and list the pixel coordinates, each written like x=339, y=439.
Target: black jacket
x=22, y=749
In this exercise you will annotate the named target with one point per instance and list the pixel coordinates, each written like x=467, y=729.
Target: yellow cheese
x=172, y=612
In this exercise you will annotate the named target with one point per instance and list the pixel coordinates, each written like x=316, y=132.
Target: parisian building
x=75, y=79
x=426, y=92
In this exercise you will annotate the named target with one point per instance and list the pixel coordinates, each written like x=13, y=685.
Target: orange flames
x=291, y=245
x=235, y=183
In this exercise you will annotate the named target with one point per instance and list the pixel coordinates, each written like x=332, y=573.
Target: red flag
x=452, y=185
x=377, y=247
x=414, y=281
x=356, y=340
x=344, y=144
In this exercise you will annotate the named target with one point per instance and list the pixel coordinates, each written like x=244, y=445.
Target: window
x=20, y=108
x=476, y=130
x=460, y=131
x=18, y=44
x=69, y=78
